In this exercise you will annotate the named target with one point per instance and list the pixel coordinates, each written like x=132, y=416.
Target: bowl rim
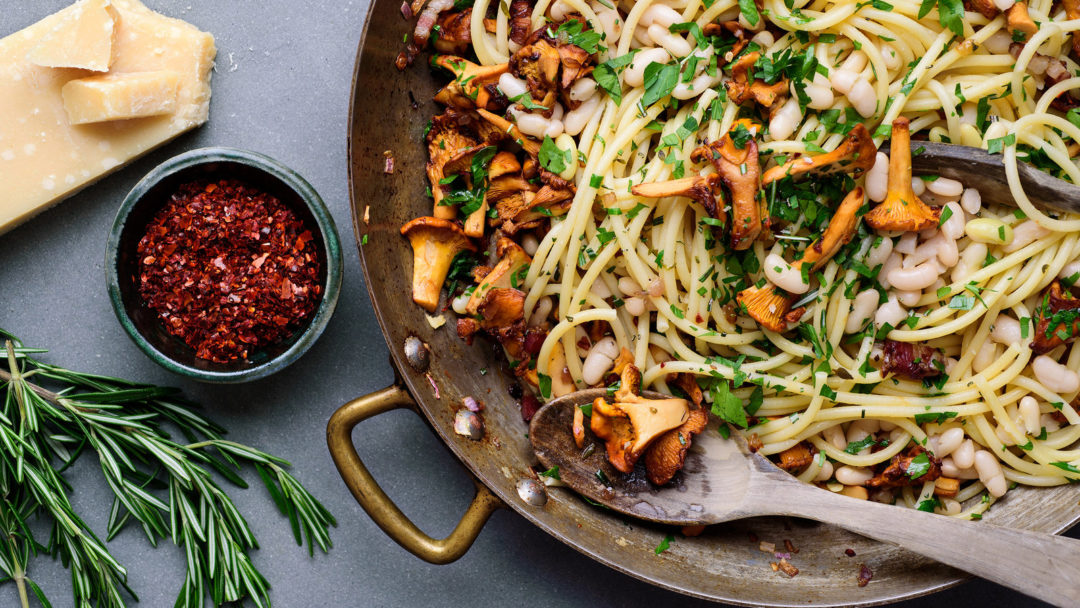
x=324, y=223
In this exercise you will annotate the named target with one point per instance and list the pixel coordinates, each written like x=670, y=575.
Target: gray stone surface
x=282, y=88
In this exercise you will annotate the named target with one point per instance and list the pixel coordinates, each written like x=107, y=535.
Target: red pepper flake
x=849, y=552
x=229, y=269
x=790, y=546
x=865, y=574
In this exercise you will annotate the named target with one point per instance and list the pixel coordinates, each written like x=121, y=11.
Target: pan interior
x=389, y=112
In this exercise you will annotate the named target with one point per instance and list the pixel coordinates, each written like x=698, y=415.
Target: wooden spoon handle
x=1040, y=565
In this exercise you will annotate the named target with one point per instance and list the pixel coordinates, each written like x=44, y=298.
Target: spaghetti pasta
x=658, y=275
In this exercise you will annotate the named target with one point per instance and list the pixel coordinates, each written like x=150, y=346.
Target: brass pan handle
x=378, y=505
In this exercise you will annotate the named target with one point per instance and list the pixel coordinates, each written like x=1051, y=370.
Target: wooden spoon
x=723, y=481
x=976, y=168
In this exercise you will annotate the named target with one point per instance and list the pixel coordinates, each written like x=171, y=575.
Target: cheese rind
x=83, y=39
x=118, y=96
x=43, y=158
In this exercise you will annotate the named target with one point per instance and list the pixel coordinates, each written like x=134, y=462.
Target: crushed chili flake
x=228, y=268
x=788, y=569
x=790, y=546
x=849, y=552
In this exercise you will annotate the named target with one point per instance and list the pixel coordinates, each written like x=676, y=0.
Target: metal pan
x=389, y=111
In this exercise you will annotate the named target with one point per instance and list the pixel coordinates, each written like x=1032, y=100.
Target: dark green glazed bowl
x=150, y=195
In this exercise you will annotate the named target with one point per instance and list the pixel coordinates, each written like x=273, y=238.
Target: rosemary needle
x=167, y=486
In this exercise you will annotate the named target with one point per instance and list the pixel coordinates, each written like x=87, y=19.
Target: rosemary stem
x=18, y=574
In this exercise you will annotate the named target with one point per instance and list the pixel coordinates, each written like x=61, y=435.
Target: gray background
x=281, y=87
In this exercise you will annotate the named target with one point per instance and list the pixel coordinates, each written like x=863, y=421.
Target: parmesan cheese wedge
x=44, y=158
x=120, y=96
x=82, y=39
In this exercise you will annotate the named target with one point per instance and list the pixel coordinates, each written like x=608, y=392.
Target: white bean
x=460, y=303
x=862, y=309
x=964, y=456
x=575, y=120
x=990, y=473
x=559, y=10
x=944, y=186
x=894, y=261
x=891, y=313
x=877, y=178
x=855, y=61
x=600, y=359
x=886, y=425
x=984, y=357
x=673, y=43
x=819, y=91
x=529, y=243
x=1006, y=330
x=1048, y=422
x=1029, y=413
x=843, y=80
x=555, y=129
x=764, y=38
x=512, y=86
x=1024, y=234
x=825, y=473
x=949, y=468
x=948, y=441
x=541, y=311
x=859, y=430
x=566, y=143
x=863, y=98
x=951, y=506
x=879, y=252
x=953, y=228
x=530, y=124
x=783, y=121
x=907, y=243
x=1070, y=270
x=971, y=260
x=582, y=89
x=1055, y=376
x=610, y=21
x=919, y=277
x=908, y=298
x=629, y=287
x=662, y=324
x=835, y=435
x=853, y=476
x=938, y=247
x=660, y=14
x=635, y=73
x=892, y=58
x=697, y=86
x=971, y=201
x=918, y=186
x=998, y=43
x=635, y=306
x=600, y=288
x=783, y=275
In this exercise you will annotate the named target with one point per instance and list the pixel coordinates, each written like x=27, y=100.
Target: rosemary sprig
x=165, y=485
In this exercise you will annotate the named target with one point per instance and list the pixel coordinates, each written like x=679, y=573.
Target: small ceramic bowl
x=150, y=195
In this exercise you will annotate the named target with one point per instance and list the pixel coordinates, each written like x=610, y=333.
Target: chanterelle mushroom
x=771, y=307
x=743, y=86
x=740, y=171
x=632, y=422
x=704, y=189
x=901, y=210
x=1062, y=310
x=447, y=138
x=855, y=154
x=666, y=456
x=507, y=273
x=1017, y=19
x=473, y=86
x=435, y=242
